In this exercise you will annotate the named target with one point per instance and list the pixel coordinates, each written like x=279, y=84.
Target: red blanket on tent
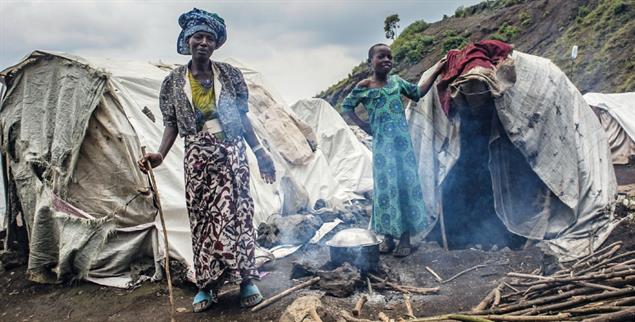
x=485, y=53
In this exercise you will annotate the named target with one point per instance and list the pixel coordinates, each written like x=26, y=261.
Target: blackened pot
x=359, y=247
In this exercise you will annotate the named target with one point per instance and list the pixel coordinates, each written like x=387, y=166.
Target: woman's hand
x=154, y=158
x=312, y=144
x=266, y=167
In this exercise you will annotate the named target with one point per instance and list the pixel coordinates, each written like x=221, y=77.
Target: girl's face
x=381, y=62
x=202, y=45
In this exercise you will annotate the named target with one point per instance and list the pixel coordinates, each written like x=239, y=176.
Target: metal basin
x=359, y=247
x=353, y=237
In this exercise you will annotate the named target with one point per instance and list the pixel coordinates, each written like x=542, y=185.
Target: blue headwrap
x=200, y=20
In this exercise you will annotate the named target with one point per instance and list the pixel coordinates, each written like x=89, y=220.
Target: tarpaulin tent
x=617, y=116
x=547, y=157
x=72, y=130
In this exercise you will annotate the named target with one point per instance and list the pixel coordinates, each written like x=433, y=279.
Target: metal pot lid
x=353, y=237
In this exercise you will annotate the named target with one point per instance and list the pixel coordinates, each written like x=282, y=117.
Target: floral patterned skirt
x=220, y=209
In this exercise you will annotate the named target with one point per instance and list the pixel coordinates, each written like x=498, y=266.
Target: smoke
x=468, y=199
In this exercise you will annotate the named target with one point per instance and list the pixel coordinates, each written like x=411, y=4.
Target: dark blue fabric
x=200, y=20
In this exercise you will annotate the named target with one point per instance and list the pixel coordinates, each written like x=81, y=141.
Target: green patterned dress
x=397, y=197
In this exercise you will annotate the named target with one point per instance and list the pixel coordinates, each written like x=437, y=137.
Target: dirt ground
x=27, y=301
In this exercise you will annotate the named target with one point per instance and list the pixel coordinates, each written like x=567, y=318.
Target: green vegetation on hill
x=604, y=31
x=412, y=44
x=604, y=35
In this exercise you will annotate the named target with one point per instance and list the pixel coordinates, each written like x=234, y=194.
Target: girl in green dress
x=398, y=208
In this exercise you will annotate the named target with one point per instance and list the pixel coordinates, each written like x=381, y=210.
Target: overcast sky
x=301, y=47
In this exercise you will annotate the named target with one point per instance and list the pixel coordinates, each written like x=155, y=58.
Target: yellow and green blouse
x=204, y=100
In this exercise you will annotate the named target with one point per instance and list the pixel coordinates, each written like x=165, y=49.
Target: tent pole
x=153, y=187
x=442, y=223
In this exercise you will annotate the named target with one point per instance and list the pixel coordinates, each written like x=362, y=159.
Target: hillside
x=604, y=31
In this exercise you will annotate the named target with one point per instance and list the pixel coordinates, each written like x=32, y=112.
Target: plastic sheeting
x=544, y=133
x=80, y=140
x=3, y=201
x=617, y=116
x=347, y=158
x=283, y=128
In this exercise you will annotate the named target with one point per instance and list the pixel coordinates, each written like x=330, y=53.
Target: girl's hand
x=266, y=167
x=154, y=158
x=440, y=64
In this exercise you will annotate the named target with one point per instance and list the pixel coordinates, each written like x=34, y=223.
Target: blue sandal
x=249, y=295
x=203, y=300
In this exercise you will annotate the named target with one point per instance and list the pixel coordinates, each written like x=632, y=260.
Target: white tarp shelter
x=2, y=192
x=72, y=130
x=617, y=115
x=543, y=121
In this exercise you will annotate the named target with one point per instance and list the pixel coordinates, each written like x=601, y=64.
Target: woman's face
x=202, y=45
x=381, y=61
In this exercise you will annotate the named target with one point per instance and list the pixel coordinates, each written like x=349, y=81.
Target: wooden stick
x=527, y=304
x=576, y=301
x=349, y=318
x=598, y=256
x=605, y=262
x=396, y=287
x=480, y=318
x=587, y=257
x=530, y=276
x=625, y=301
x=596, y=309
x=285, y=293
x=625, y=315
x=436, y=276
x=457, y=317
x=598, y=286
x=528, y=244
x=485, y=303
x=609, y=278
x=360, y=304
x=409, y=311
x=461, y=273
x=383, y=317
x=497, y=296
x=511, y=287
x=592, y=276
x=370, y=287
x=419, y=290
x=558, y=317
x=405, y=288
x=153, y=186
x=444, y=237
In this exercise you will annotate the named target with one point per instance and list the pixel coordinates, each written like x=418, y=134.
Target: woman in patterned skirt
x=398, y=209
x=205, y=102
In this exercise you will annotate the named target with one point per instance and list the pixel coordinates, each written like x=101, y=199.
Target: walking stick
x=153, y=187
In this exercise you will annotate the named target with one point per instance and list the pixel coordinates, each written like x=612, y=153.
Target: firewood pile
x=598, y=287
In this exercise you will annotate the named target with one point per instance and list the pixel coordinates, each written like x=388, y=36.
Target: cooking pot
x=359, y=247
